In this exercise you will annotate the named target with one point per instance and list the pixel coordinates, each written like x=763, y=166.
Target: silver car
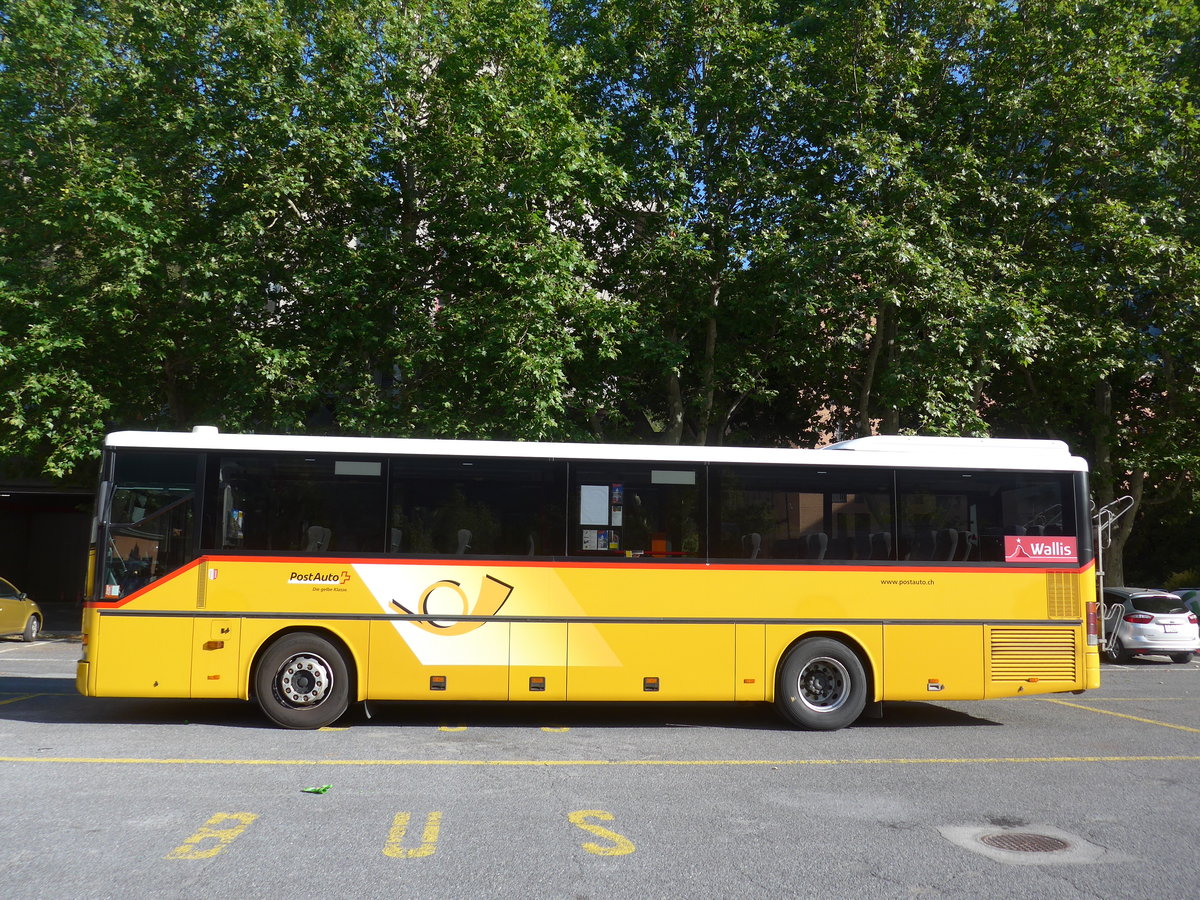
x=1138, y=621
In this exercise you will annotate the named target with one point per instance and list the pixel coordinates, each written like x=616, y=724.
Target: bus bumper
x=81, y=677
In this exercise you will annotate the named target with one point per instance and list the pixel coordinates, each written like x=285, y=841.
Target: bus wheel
x=302, y=682
x=822, y=685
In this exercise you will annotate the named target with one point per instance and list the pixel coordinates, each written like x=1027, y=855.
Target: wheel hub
x=823, y=684
x=304, y=680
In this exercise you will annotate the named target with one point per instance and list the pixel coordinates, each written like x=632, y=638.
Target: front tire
x=822, y=685
x=302, y=681
x=32, y=629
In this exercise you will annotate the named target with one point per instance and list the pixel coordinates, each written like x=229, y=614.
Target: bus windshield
x=150, y=520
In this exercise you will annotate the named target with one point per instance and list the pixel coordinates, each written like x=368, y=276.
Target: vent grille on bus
x=1062, y=596
x=1018, y=654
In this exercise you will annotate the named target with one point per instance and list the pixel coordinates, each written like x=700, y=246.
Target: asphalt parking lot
x=1067, y=796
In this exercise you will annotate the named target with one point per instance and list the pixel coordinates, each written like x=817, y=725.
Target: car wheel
x=1119, y=654
x=1181, y=657
x=302, y=681
x=32, y=629
x=822, y=685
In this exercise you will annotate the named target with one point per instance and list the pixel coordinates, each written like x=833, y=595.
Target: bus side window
x=476, y=507
x=316, y=504
x=636, y=510
x=802, y=514
x=954, y=516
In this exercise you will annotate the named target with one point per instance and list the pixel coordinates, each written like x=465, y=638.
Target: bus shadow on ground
x=734, y=716
x=918, y=714
x=54, y=701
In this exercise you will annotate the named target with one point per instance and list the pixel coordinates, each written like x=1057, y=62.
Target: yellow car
x=18, y=614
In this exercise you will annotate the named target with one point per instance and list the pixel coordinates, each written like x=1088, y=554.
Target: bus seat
x=968, y=546
x=752, y=544
x=945, y=544
x=319, y=538
x=818, y=544
x=464, y=541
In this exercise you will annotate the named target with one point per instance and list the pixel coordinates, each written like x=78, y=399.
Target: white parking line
x=20, y=646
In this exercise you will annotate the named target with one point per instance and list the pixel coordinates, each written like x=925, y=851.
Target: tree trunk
x=881, y=338
x=1104, y=487
x=710, y=365
x=1114, y=555
x=672, y=433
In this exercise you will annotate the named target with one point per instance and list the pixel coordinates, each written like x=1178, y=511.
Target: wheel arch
x=353, y=664
x=851, y=642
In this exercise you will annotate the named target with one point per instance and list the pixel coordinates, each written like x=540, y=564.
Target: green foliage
x=281, y=215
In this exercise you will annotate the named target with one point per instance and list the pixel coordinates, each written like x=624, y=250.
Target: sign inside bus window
x=1029, y=548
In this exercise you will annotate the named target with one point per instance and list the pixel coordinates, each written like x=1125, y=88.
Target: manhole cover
x=1024, y=843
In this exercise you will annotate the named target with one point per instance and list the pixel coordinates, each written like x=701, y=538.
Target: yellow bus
x=311, y=573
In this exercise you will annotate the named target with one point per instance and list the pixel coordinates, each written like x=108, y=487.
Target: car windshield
x=1158, y=604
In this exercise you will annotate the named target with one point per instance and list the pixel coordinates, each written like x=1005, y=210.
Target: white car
x=1139, y=621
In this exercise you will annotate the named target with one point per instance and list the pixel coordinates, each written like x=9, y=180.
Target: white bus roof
x=883, y=450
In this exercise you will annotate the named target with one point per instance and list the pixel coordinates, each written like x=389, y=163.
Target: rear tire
x=32, y=629
x=1181, y=657
x=822, y=685
x=1119, y=654
x=302, y=681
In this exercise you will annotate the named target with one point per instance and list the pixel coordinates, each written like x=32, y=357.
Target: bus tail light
x=1139, y=618
x=1093, y=624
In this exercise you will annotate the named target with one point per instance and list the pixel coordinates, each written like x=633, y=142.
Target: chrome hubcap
x=303, y=680
x=823, y=685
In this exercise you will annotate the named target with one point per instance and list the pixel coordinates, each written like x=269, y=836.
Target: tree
x=1102, y=198
x=693, y=101
x=276, y=215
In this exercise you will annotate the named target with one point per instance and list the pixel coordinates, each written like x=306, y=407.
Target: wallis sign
x=1040, y=549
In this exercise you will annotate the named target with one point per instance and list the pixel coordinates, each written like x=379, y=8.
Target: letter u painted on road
x=395, y=843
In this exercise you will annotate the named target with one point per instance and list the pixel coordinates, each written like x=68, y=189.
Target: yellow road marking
x=1126, y=699
x=620, y=846
x=22, y=697
x=1109, y=712
x=222, y=837
x=617, y=763
x=428, y=846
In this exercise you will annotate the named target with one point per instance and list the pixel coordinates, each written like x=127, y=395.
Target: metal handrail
x=1103, y=521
